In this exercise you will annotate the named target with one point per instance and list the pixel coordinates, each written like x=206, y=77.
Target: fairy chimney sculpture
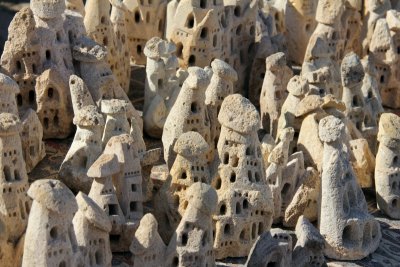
x=87, y=144
x=352, y=73
x=145, y=20
x=300, y=24
x=162, y=84
x=104, y=194
x=41, y=68
x=189, y=113
x=116, y=118
x=221, y=85
x=192, y=243
x=349, y=230
x=274, y=93
x=50, y=238
x=31, y=131
x=92, y=227
x=387, y=172
x=14, y=185
x=147, y=247
x=383, y=47
x=245, y=205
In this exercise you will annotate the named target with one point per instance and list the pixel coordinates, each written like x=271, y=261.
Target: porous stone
x=245, y=203
x=92, y=227
x=50, y=222
x=273, y=92
x=147, y=247
x=349, y=230
x=309, y=248
x=387, y=169
x=192, y=242
x=271, y=248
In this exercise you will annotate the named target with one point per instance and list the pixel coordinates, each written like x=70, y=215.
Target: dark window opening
x=32, y=96
x=137, y=16
x=112, y=209
x=48, y=54
x=192, y=60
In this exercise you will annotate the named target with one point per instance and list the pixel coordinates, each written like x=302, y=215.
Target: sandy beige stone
x=145, y=20
x=245, y=203
x=147, y=247
x=274, y=93
x=38, y=56
x=387, y=166
x=50, y=222
x=189, y=113
x=271, y=248
x=14, y=185
x=92, y=226
x=349, y=230
x=192, y=242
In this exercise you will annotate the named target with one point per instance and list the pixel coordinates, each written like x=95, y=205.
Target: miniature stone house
x=373, y=103
x=25, y=58
x=128, y=182
x=92, y=226
x=53, y=104
x=188, y=114
x=147, y=247
x=387, y=181
x=31, y=130
x=116, y=121
x=190, y=166
x=13, y=187
x=75, y=6
x=271, y=248
x=221, y=85
x=103, y=193
x=309, y=248
x=352, y=23
x=300, y=24
x=85, y=149
x=352, y=76
x=245, y=205
x=274, y=93
x=349, y=230
x=50, y=238
x=146, y=19
x=192, y=243
x=384, y=48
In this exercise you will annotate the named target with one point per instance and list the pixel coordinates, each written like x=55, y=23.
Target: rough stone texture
x=383, y=47
x=189, y=113
x=221, y=85
x=373, y=103
x=363, y=162
x=92, y=226
x=300, y=23
x=38, y=57
x=244, y=200
x=349, y=230
x=205, y=30
x=387, y=169
x=145, y=20
x=163, y=83
x=271, y=248
x=87, y=144
x=13, y=187
x=105, y=22
x=31, y=131
x=309, y=248
x=305, y=200
x=273, y=93
x=50, y=222
x=147, y=247
x=192, y=242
